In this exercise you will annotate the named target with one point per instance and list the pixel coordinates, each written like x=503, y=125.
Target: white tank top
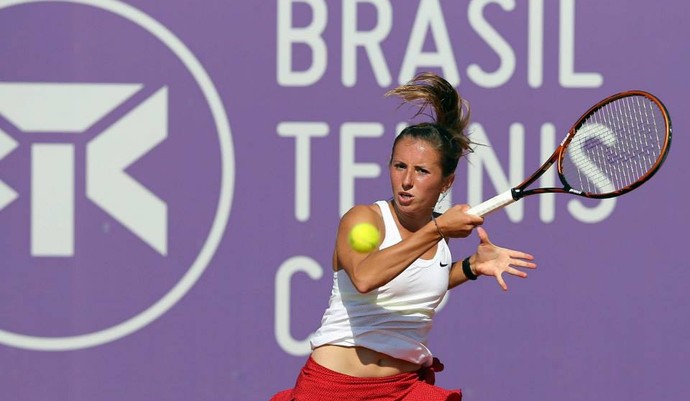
x=394, y=319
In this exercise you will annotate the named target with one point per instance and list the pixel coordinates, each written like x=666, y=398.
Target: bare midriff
x=360, y=362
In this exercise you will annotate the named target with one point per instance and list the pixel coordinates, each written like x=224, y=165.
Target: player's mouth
x=405, y=198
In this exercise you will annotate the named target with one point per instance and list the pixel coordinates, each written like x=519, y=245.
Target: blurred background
x=172, y=175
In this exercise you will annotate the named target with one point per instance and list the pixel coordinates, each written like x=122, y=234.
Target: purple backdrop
x=172, y=174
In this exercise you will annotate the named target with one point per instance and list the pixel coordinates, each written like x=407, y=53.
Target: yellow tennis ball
x=364, y=237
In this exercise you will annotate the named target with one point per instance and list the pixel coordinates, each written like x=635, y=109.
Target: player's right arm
x=368, y=271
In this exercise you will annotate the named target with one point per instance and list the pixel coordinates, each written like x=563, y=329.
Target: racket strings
x=617, y=145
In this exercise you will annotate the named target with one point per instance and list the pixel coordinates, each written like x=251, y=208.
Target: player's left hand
x=492, y=260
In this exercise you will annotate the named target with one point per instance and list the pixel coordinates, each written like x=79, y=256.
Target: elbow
x=364, y=288
x=363, y=285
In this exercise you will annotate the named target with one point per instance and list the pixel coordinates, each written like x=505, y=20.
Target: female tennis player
x=372, y=342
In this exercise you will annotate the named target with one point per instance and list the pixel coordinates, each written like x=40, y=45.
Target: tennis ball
x=364, y=237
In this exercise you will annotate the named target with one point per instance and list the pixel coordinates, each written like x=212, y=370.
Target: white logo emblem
x=70, y=109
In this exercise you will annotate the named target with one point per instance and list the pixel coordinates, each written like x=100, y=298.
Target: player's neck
x=409, y=222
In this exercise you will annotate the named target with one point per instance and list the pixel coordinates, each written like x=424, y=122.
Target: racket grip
x=497, y=202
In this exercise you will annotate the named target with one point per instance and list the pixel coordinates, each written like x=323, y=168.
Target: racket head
x=616, y=146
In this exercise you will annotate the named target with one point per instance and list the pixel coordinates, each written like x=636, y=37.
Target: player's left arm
x=491, y=260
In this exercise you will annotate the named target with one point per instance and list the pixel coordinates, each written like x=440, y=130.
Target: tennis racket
x=615, y=147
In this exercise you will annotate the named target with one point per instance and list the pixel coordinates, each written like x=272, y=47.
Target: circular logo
x=91, y=160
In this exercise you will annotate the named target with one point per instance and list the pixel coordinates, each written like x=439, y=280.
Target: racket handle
x=497, y=202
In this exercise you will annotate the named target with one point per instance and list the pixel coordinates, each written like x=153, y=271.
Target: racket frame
x=520, y=191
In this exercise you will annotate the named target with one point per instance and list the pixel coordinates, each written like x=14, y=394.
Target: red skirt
x=316, y=383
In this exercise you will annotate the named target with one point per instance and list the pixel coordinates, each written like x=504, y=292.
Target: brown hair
x=451, y=115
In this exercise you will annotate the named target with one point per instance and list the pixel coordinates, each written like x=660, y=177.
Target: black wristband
x=467, y=269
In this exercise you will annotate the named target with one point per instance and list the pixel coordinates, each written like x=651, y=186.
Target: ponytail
x=449, y=112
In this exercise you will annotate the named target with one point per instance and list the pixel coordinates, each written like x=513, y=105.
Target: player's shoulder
x=370, y=210
x=369, y=213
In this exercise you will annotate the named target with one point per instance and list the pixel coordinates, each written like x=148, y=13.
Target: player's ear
x=448, y=182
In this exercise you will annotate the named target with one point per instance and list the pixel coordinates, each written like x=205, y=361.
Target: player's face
x=416, y=176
